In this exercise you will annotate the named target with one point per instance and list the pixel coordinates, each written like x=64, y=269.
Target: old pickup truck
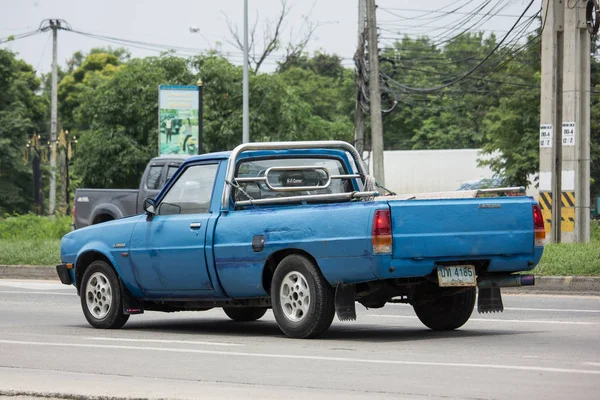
x=299, y=227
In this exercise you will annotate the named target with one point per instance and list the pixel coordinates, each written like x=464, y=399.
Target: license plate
x=457, y=275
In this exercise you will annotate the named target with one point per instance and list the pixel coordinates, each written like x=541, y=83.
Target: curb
x=35, y=272
x=582, y=285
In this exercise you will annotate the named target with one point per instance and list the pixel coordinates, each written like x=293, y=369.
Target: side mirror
x=150, y=206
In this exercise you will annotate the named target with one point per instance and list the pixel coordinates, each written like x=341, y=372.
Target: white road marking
x=593, y=364
x=35, y=285
x=163, y=341
x=37, y=293
x=496, y=320
x=522, y=309
x=550, y=310
x=311, y=358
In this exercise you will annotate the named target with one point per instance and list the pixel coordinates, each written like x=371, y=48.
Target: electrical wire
x=162, y=48
x=12, y=38
x=441, y=12
x=37, y=67
x=476, y=67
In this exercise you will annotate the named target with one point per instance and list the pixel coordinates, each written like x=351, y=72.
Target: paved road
x=541, y=347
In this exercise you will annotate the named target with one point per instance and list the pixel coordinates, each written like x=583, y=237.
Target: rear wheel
x=302, y=300
x=101, y=298
x=448, y=312
x=244, y=313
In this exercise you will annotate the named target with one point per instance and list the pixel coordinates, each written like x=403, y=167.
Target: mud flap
x=489, y=300
x=131, y=305
x=345, y=304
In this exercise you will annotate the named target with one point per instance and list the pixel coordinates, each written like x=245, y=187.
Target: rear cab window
x=289, y=178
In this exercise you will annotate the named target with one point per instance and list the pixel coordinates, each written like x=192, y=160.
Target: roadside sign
x=568, y=134
x=546, y=135
x=178, y=119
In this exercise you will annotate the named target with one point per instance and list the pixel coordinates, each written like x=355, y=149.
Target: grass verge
x=29, y=252
x=31, y=226
x=565, y=259
x=570, y=259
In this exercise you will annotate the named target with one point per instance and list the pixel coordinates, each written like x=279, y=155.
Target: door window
x=192, y=192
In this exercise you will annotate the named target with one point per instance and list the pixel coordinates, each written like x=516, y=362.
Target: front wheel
x=302, y=300
x=244, y=314
x=448, y=312
x=101, y=298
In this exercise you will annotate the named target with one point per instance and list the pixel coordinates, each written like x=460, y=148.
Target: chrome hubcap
x=98, y=295
x=294, y=296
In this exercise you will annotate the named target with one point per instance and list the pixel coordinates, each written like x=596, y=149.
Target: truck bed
x=90, y=203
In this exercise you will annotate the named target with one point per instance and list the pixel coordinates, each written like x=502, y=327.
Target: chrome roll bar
x=324, y=144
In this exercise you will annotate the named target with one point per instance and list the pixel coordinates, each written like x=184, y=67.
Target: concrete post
x=550, y=115
x=576, y=127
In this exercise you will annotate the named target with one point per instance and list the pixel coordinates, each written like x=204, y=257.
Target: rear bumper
x=386, y=267
x=63, y=274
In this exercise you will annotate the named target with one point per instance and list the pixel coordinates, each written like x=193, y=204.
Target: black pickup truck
x=93, y=206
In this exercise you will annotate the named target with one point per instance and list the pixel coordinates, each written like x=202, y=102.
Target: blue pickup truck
x=299, y=227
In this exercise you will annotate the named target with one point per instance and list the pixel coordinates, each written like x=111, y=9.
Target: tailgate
x=462, y=227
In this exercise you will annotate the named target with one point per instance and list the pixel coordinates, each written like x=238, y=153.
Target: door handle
x=195, y=225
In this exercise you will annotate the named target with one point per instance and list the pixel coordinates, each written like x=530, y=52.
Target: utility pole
x=576, y=125
x=375, y=94
x=551, y=116
x=565, y=122
x=246, y=106
x=359, y=113
x=54, y=25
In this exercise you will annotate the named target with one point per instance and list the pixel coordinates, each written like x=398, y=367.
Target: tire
x=100, y=310
x=302, y=300
x=244, y=314
x=447, y=313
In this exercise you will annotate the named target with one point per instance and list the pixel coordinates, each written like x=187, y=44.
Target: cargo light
x=538, y=225
x=382, y=232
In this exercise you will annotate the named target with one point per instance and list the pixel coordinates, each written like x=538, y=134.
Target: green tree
x=94, y=69
x=22, y=113
x=327, y=65
x=512, y=127
x=120, y=117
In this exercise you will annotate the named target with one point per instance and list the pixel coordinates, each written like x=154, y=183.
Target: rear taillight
x=538, y=225
x=382, y=232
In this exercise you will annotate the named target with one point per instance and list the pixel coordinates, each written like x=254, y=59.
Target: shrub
x=31, y=226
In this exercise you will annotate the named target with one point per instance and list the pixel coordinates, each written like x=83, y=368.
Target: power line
x=43, y=53
x=161, y=48
x=440, y=12
x=13, y=38
x=472, y=70
x=429, y=12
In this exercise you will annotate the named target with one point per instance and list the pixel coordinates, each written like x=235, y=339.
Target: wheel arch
x=104, y=213
x=273, y=261
x=83, y=262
